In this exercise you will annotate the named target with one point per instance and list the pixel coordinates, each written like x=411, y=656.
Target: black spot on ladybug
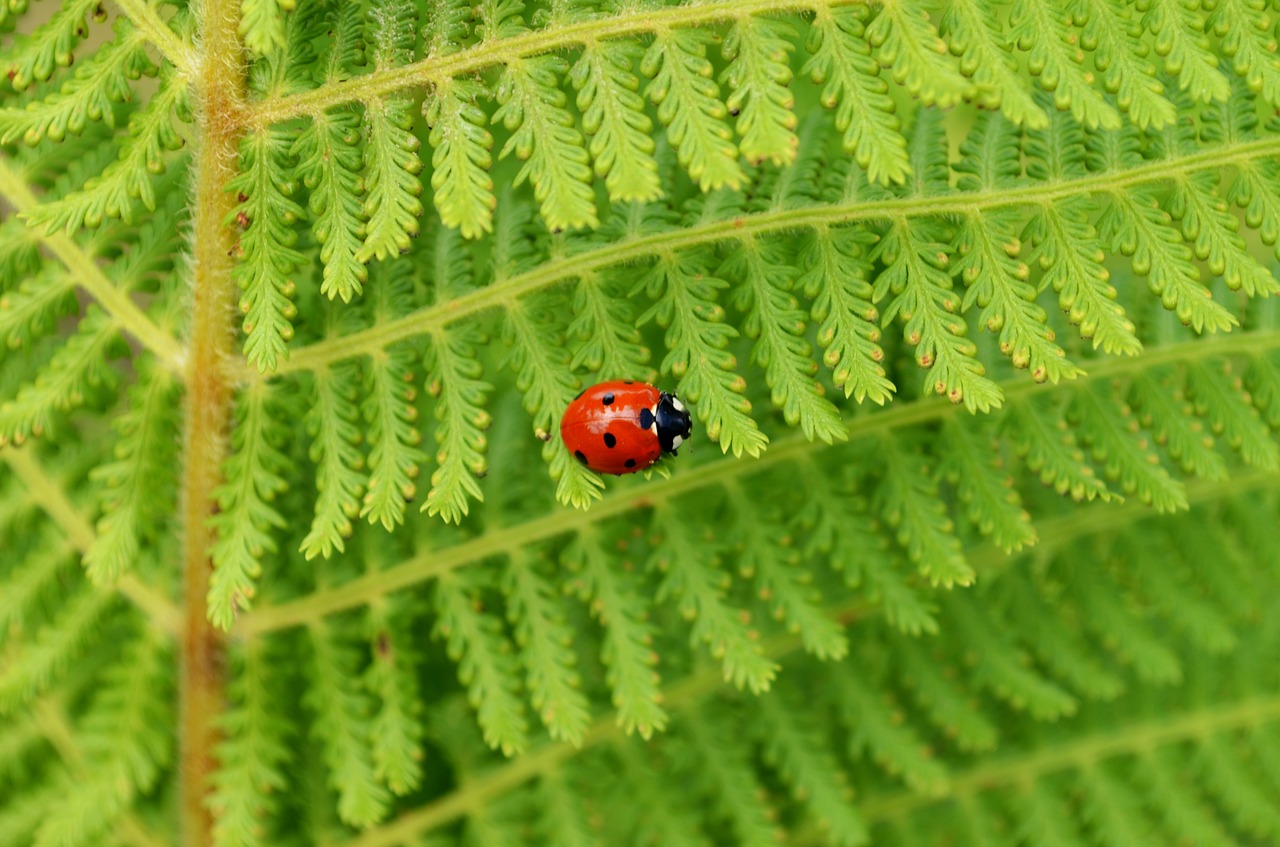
x=631, y=463
x=646, y=418
x=607, y=399
x=610, y=441
x=628, y=382
x=582, y=457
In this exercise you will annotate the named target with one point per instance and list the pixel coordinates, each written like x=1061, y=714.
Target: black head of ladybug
x=674, y=423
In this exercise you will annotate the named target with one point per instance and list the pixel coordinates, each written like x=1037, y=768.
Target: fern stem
x=1082, y=752
x=557, y=271
x=147, y=21
x=52, y=498
x=640, y=20
x=53, y=725
x=220, y=92
x=432, y=563
x=89, y=276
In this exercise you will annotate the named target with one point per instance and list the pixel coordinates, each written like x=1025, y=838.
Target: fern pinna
x=974, y=298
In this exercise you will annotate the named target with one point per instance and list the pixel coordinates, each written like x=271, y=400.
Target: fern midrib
x=431, y=563
x=557, y=271
x=486, y=54
x=147, y=21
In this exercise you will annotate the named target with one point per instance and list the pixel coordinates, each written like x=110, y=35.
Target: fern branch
x=89, y=275
x=556, y=271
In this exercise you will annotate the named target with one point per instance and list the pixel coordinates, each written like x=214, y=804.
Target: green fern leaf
x=1121, y=57
x=35, y=307
x=689, y=106
x=326, y=150
x=46, y=657
x=696, y=338
x=906, y=43
x=246, y=513
x=613, y=116
x=341, y=727
x=1213, y=232
x=332, y=422
x=627, y=649
x=724, y=767
x=777, y=324
x=486, y=664
x=392, y=186
x=865, y=113
x=974, y=466
x=1248, y=40
x=139, y=484
x=874, y=731
x=1110, y=616
x=253, y=754
x=974, y=37
x=793, y=747
x=690, y=576
x=116, y=192
x=79, y=371
x=1059, y=642
x=460, y=157
x=757, y=76
x=1170, y=417
x=90, y=96
x=544, y=639
x=1050, y=449
x=1179, y=30
x=1042, y=31
x=51, y=45
x=262, y=24
x=396, y=730
x=35, y=574
x=266, y=213
x=915, y=272
x=910, y=504
x=1218, y=395
x=941, y=692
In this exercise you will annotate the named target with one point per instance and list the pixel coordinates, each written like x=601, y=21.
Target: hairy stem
x=220, y=92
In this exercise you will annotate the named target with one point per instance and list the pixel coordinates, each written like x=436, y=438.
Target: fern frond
x=129, y=180
x=1217, y=394
x=54, y=647
x=696, y=338
x=341, y=727
x=486, y=664
x=80, y=370
x=627, y=649
x=1050, y=449
x=613, y=117
x=253, y=755
x=757, y=76
x=326, y=151
x=910, y=504
x=392, y=186
x=247, y=512
x=545, y=137
x=973, y=464
x=943, y=694
x=1248, y=40
x=1213, y=233
x=544, y=638
x=1120, y=55
x=460, y=157
x=723, y=767
x=50, y=45
x=915, y=273
x=873, y=731
x=1043, y=31
x=865, y=113
x=138, y=486
x=689, y=106
x=397, y=728
x=333, y=422
x=90, y=96
x=266, y=214
x=1179, y=30
x=690, y=576
x=976, y=39
x=35, y=306
x=906, y=42
x=775, y=321
x=262, y=24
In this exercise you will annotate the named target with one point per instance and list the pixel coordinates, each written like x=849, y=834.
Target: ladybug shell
x=602, y=427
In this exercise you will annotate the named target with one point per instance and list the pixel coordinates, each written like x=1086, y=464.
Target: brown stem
x=219, y=87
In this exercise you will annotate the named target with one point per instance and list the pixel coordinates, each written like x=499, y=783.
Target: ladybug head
x=674, y=424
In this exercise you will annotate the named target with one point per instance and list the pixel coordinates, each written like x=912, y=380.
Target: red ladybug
x=622, y=426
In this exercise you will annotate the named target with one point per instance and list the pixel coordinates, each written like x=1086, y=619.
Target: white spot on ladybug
x=676, y=404
x=654, y=413
x=676, y=442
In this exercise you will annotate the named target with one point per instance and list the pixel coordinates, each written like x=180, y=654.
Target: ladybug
x=623, y=426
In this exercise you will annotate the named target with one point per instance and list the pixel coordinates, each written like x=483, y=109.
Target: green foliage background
x=973, y=305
